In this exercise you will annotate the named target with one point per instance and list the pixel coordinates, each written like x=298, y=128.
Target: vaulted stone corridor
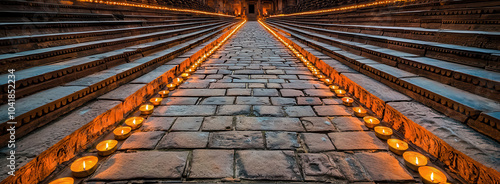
x=196, y=91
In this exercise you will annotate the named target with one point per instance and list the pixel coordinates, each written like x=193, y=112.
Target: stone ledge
x=459, y=163
x=40, y=167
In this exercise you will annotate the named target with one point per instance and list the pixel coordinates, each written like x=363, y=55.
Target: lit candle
x=185, y=75
x=155, y=101
x=164, y=93
x=359, y=111
x=333, y=87
x=146, y=109
x=431, y=175
x=320, y=76
x=397, y=146
x=316, y=73
x=347, y=101
x=65, y=180
x=383, y=132
x=190, y=70
x=340, y=92
x=171, y=86
x=122, y=132
x=106, y=147
x=178, y=80
x=134, y=122
x=84, y=166
x=414, y=160
x=371, y=121
x=327, y=81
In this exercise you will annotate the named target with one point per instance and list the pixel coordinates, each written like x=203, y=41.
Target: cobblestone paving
x=252, y=112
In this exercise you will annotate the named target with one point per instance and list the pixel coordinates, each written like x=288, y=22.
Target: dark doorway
x=251, y=8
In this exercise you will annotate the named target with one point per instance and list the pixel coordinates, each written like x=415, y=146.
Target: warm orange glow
x=341, y=8
x=383, y=132
x=185, y=75
x=359, y=111
x=106, y=147
x=134, y=122
x=122, y=132
x=340, y=92
x=414, y=159
x=84, y=166
x=66, y=180
x=156, y=101
x=371, y=121
x=397, y=146
x=146, y=109
x=171, y=86
x=164, y=93
x=431, y=175
x=157, y=7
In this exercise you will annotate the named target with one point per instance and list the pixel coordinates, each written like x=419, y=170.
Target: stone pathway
x=252, y=112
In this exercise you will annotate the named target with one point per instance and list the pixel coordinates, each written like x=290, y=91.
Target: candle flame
x=383, y=131
x=84, y=165
x=432, y=176
x=371, y=120
x=107, y=146
x=416, y=160
x=397, y=145
x=122, y=131
x=133, y=122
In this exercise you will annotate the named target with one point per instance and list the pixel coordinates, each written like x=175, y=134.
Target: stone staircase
x=66, y=56
x=441, y=54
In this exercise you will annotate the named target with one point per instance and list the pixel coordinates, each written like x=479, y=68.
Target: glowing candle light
x=414, y=160
x=340, y=93
x=122, y=132
x=164, y=93
x=185, y=75
x=347, y=101
x=65, y=180
x=333, y=87
x=84, y=166
x=106, y=147
x=156, y=101
x=178, y=80
x=383, y=132
x=171, y=86
x=431, y=175
x=134, y=122
x=397, y=146
x=371, y=121
x=146, y=109
x=359, y=112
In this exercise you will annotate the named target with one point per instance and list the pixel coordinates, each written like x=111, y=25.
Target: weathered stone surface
x=291, y=93
x=265, y=92
x=319, y=92
x=252, y=100
x=283, y=101
x=179, y=101
x=383, y=167
x=267, y=165
x=282, y=140
x=317, y=167
x=212, y=164
x=299, y=111
x=142, y=140
x=317, y=142
x=140, y=166
x=268, y=110
x=349, y=124
x=216, y=123
x=233, y=110
x=187, y=124
x=269, y=123
x=332, y=110
x=356, y=141
x=184, y=140
x=309, y=101
x=157, y=123
x=217, y=100
x=349, y=165
x=239, y=92
x=236, y=139
x=198, y=92
x=185, y=110
x=317, y=124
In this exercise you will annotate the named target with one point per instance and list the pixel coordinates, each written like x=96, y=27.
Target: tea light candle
x=383, y=132
x=134, y=122
x=414, y=160
x=371, y=121
x=84, y=166
x=327, y=81
x=146, y=109
x=397, y=146
x=122, y=132
x=340, y=92
x=164, y=93
x=333, y=87
x=320, y=76
x=65, y=180
x=155, y=101
x=106, y=147
x=316, y=73
x=178, y=80
x=189, y=70
x=359, y=111
x=431, y=175
x=171, y=86
x=185, y=75
x=347, y=101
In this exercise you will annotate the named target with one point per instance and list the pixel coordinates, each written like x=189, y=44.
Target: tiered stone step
x=383, y=65
x=468, y=153
x=435, y=15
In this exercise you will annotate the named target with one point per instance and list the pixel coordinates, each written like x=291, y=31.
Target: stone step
x=466, y=152
x=26, y=59
x=87, y=123
x=472, y=56
x=445, y=99
x=11, y=44
x=475, y=80
x=480, y=39
x=37, y=78
x=33, y=111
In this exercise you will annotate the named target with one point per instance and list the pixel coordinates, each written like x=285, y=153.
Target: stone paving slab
x=267, y=165
x=212, y=164
x=268, y=123
x=185, y=110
